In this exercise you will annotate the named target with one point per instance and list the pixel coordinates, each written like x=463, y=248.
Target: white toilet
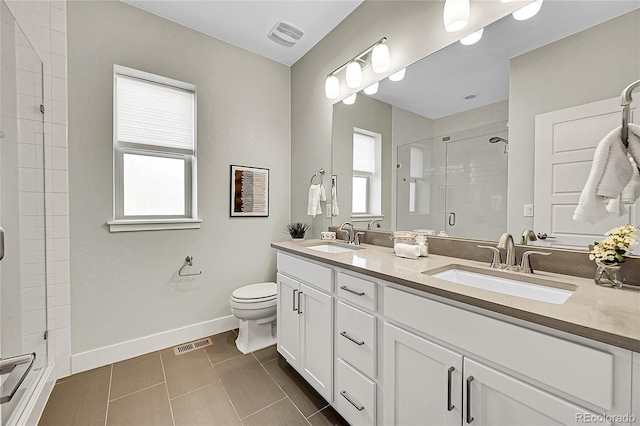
x=255, y=306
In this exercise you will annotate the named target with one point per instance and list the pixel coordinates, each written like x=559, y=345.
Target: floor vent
x=192, y=346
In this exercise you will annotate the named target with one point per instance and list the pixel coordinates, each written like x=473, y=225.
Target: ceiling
x=435, y=87
x=246, y=23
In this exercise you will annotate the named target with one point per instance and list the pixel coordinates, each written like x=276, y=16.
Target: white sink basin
x=510, y=286
x=330, y=248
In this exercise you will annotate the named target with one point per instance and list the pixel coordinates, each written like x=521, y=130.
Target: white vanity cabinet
x=305, y=321
x=423, y=381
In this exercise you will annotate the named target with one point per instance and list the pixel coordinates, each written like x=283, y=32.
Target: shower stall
x=456, y=184
x=24, y=363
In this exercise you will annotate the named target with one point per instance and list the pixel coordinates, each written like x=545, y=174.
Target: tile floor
x=216, y=385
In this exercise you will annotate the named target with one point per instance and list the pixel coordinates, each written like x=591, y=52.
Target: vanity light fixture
x=376, y=55
x=399, y=75
x=529, y=11
x=373, y=89
x=350, y=100
x=456, y=15
x=472, y=38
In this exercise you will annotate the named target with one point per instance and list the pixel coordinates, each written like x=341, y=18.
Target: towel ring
x=625, y=102
x=320, y=174
x=188, y=262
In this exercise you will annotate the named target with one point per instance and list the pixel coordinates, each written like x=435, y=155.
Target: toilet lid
x=256, y=291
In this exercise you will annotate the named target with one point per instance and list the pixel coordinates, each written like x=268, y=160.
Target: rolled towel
x=407, y=250
x=610, y=172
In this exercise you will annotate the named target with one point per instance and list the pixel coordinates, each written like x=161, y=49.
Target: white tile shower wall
x=44, y=23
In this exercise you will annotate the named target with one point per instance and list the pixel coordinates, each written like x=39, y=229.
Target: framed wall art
x=249, y=191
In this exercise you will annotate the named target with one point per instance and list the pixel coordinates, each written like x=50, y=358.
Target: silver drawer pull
x=358, y=407
x=18, y=367
x=469, y=416
x=357, y=342
x=450, y=406
x=357, y=293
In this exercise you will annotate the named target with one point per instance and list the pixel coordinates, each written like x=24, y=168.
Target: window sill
x=152, y=225
x=366, y=217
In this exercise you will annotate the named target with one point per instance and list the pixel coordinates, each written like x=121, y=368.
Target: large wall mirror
x=493, y=137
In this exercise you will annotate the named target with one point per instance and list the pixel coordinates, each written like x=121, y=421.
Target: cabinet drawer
x=356, y=338
x=311, y=273
x=355, y=397
x=357, y=290
x=578, y=370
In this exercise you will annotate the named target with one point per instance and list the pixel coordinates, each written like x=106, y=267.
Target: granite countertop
x=607, y=315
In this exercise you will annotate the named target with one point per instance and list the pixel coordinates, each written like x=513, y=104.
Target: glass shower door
x=23, y=273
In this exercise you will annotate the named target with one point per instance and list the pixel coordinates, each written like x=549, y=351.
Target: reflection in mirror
x=460, y=150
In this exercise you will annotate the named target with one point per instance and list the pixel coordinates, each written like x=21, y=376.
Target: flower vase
x=609, y=275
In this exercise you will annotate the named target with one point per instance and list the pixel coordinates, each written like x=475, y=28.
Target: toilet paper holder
x=188, y=261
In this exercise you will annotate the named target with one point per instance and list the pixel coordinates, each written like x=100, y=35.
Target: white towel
x=316, y=195
x=610, y=172
x=335, y=211
x=629, y=195
x=407, y=250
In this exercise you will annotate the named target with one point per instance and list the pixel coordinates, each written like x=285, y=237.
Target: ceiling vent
x=285, y=34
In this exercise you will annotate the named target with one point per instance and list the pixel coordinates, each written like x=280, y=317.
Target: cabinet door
x=288, y=322
x=423, y=381
x=316, y=339
x=494, y=398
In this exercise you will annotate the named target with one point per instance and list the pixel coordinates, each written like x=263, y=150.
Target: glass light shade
x=373, y=89
x=332, y=87
x=472, y=38
x=380, y=58
x=456, y=15
x=398, y=75
x=354, y=75
x=349, y=100
x=529, y=11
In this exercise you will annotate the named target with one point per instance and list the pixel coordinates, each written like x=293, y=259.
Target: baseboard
x=109, y=354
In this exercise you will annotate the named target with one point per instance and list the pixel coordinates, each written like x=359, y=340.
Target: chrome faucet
x=350, y=235
x=506, y=242
x=374, y=222
x=528, y=235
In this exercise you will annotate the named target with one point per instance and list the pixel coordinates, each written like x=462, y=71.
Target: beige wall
x=414, y=30
x=124, y=284
x=592, y=65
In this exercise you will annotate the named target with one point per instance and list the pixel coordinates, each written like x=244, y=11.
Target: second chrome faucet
x=510, y=264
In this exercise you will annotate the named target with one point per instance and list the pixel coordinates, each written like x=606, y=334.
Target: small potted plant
x=611, y=252
x=297, y=230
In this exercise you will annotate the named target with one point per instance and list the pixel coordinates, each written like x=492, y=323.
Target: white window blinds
x=363, y=153
x=154, y=114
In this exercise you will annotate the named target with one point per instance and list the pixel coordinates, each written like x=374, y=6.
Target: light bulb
x=529, y=11
x=472, y=38
x=373, y=89
x=380, y=58
x=332, y=87
x=398, y=75
x=349, y=100
x=456, y=15
x=354, y=75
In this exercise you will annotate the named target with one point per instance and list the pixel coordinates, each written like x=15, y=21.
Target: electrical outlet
x=528, y=210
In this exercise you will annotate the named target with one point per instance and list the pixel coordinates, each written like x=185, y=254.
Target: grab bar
x=19, y=367
x=188, y=262
x=625, y=102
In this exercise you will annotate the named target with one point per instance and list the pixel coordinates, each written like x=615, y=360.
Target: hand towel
x=610, y=172
x=407, y=250
x=316, y=195
x=629, y=195
x=335, y=211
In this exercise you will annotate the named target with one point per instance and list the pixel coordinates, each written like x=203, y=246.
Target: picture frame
x=249, y=191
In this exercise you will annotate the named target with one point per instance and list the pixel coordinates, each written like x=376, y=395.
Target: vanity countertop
x=607, y=315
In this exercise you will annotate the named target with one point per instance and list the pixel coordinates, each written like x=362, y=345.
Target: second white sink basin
x=513, y=287
x=332, y=248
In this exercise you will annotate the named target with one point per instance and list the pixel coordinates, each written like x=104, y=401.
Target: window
x=366, y=197
x=154, y=152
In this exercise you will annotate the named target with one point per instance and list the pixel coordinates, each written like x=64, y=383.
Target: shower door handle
x=18, y=367
x=1, y=243
x=452, y=219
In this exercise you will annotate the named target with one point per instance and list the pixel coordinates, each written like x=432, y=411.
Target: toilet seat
x=255, y=296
